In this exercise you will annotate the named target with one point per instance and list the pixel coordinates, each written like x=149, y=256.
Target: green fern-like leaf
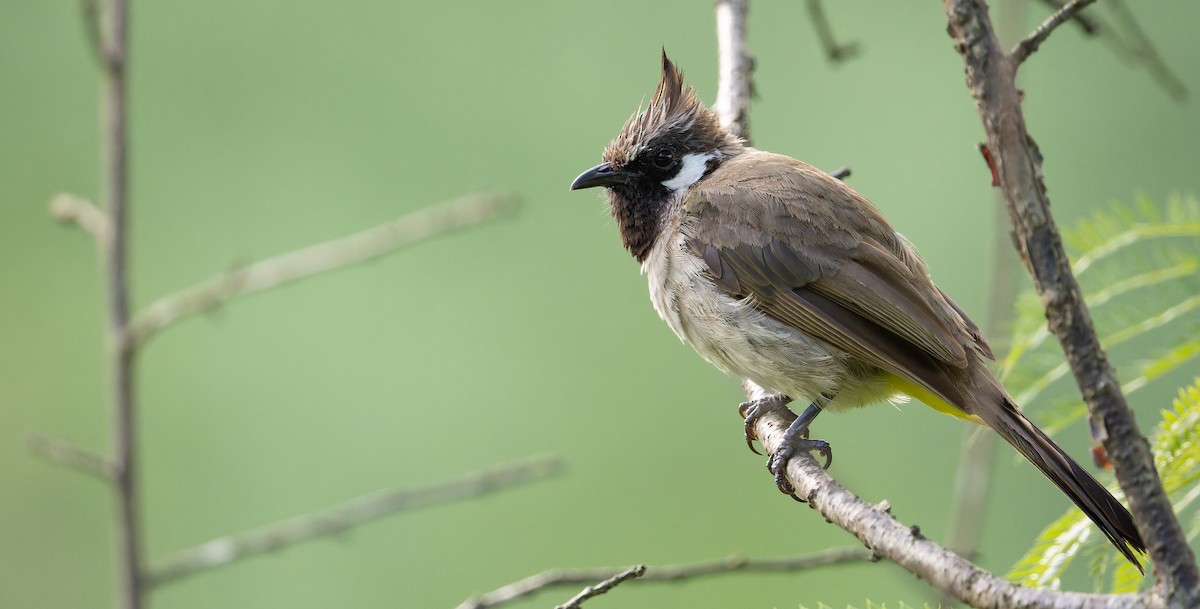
x=1139, y=270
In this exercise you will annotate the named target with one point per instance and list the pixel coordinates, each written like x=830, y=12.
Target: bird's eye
x=664, y=159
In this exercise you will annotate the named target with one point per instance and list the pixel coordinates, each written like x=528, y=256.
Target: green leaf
x=1139, y=270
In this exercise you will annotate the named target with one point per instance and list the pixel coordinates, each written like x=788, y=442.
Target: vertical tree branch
x=115, y=159
x=734, y=65
x=991, y=80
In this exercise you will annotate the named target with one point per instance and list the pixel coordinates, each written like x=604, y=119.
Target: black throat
x=639, y=209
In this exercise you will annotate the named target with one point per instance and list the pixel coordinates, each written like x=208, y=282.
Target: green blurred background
x=260, y=126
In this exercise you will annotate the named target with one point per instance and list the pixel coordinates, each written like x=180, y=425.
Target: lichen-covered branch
x=904, y=545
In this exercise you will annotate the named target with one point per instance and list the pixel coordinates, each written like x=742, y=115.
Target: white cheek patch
x=694, y=165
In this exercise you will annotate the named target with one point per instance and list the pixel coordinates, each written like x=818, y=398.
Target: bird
x=786, y=277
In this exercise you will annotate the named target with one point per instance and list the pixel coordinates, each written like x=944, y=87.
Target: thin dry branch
x=904, y=545
x=666, y=573
x=1087, y=24
x=836, y=52
x=991, y=80
x=1030, y=43
x=1140, y=50
x=90, y=13
x=1146, y=52
x=600, y=588
x=734, y=66
x=341, y=518
x=70, y=455
x=122, y=400
x=78, y=210
x=315, y=259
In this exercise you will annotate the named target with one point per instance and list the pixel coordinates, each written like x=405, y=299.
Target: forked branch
x=666, y=573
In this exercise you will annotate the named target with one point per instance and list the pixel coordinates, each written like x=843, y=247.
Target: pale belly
x=737, y=338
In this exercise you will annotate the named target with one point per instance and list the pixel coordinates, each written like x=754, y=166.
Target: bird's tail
x=1091, y=497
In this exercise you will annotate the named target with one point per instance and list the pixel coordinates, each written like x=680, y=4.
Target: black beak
x=601, y=175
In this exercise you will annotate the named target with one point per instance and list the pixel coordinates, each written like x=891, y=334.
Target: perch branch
x=340, y=518
x=836, y=52
x=991, y=80
x=734, y=65
x=315, y=259
x=68, y=454
x=666, y=573
x=70, y=208
x=889, y=539
x=596, y=590
x=1026, y=47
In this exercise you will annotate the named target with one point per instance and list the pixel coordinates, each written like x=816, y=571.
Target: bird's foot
x=792, y=446
x=753, y=410
x=795, y=439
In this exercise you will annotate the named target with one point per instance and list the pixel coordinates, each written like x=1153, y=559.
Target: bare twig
x=841, y=173
x=315, y=259
x=991, y=80
x=1148, y=54
x=836, y=52
x=70, y=208
x=68, y=454
x=1140, y=50
x=889, y=539
x=1087, y=24
x=90, y=13
x=1031, y=43
x=340, y=518
x=596, y=590
x=666, y=573
x=734, y=65
x=115, y=163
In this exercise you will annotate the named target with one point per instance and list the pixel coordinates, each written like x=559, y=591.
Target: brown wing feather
x=817, y=256
x=848, y=328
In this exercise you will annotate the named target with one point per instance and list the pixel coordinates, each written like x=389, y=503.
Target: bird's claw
x=778, y=462
x=753, y=410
